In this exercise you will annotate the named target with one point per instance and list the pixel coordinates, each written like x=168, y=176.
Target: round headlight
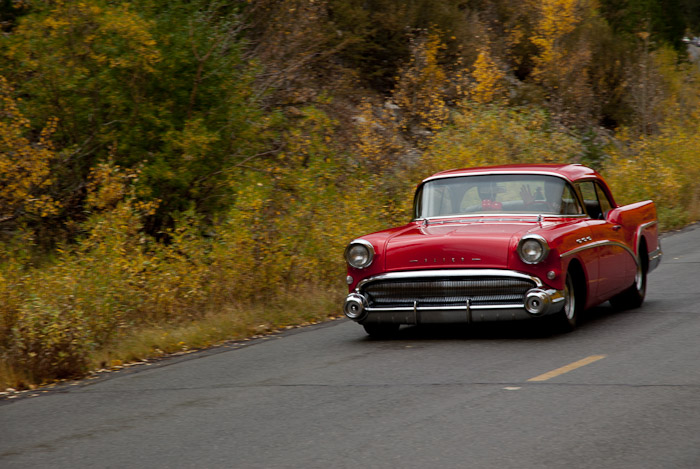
x=359, y=254
x=533, y=249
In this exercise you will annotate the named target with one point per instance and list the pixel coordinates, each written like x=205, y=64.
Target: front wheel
x=381, y=331
x=566, y=319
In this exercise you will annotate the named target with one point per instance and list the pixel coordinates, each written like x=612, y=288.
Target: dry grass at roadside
x=304, y=307
x=308, y=305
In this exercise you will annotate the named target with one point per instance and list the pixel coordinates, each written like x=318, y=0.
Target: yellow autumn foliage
x=24, y=163
x=104, y=29
x=557, y=19
x=421, y=86
x=55, y=316
x=492, y=135
x=295, y=221
x=377, y=141
x=664, y=168
x=488, y=79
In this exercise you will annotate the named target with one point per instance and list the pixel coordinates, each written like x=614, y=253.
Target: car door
x=615, y=262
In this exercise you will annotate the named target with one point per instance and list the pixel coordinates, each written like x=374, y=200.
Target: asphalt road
x=326, y=396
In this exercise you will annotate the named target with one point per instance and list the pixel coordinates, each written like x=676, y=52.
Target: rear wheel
x=381, y=331
x=633, y=297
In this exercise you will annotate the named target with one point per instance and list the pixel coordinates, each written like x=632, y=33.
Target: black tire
x=633, y=297
x=381, y=331
x=567, y=319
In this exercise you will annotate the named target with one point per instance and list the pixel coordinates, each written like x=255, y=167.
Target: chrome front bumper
x=536, y=301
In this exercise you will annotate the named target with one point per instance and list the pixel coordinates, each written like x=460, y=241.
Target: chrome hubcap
x=569, y=304
x=639, y=279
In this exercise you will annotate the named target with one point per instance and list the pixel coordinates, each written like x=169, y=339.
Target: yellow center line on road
x=567, y=368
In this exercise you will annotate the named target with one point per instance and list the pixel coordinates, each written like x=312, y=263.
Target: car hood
x=454, y=245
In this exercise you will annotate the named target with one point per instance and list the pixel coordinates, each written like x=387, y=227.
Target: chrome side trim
x=467, y=308
x=641, y=229
x=647, y=225
x=655, y=255
x=423, y=274
x=655, y=258
x=598, y=244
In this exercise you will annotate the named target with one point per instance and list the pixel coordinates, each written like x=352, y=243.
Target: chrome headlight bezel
x=526, y=244
x=367, y=258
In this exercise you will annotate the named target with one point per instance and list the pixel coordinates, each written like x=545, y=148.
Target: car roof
x=572, y=172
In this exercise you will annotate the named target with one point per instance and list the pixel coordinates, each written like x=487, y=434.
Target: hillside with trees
x=177, y=173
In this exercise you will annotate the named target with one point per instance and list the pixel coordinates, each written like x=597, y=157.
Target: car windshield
x=500, y=193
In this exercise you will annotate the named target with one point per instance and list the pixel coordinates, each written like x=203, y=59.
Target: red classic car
x=503, y=243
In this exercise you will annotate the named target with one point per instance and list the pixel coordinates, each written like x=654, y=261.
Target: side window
x=590, y=199
x=605, y=205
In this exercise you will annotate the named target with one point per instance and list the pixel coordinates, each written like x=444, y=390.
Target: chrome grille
x=447, y=291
